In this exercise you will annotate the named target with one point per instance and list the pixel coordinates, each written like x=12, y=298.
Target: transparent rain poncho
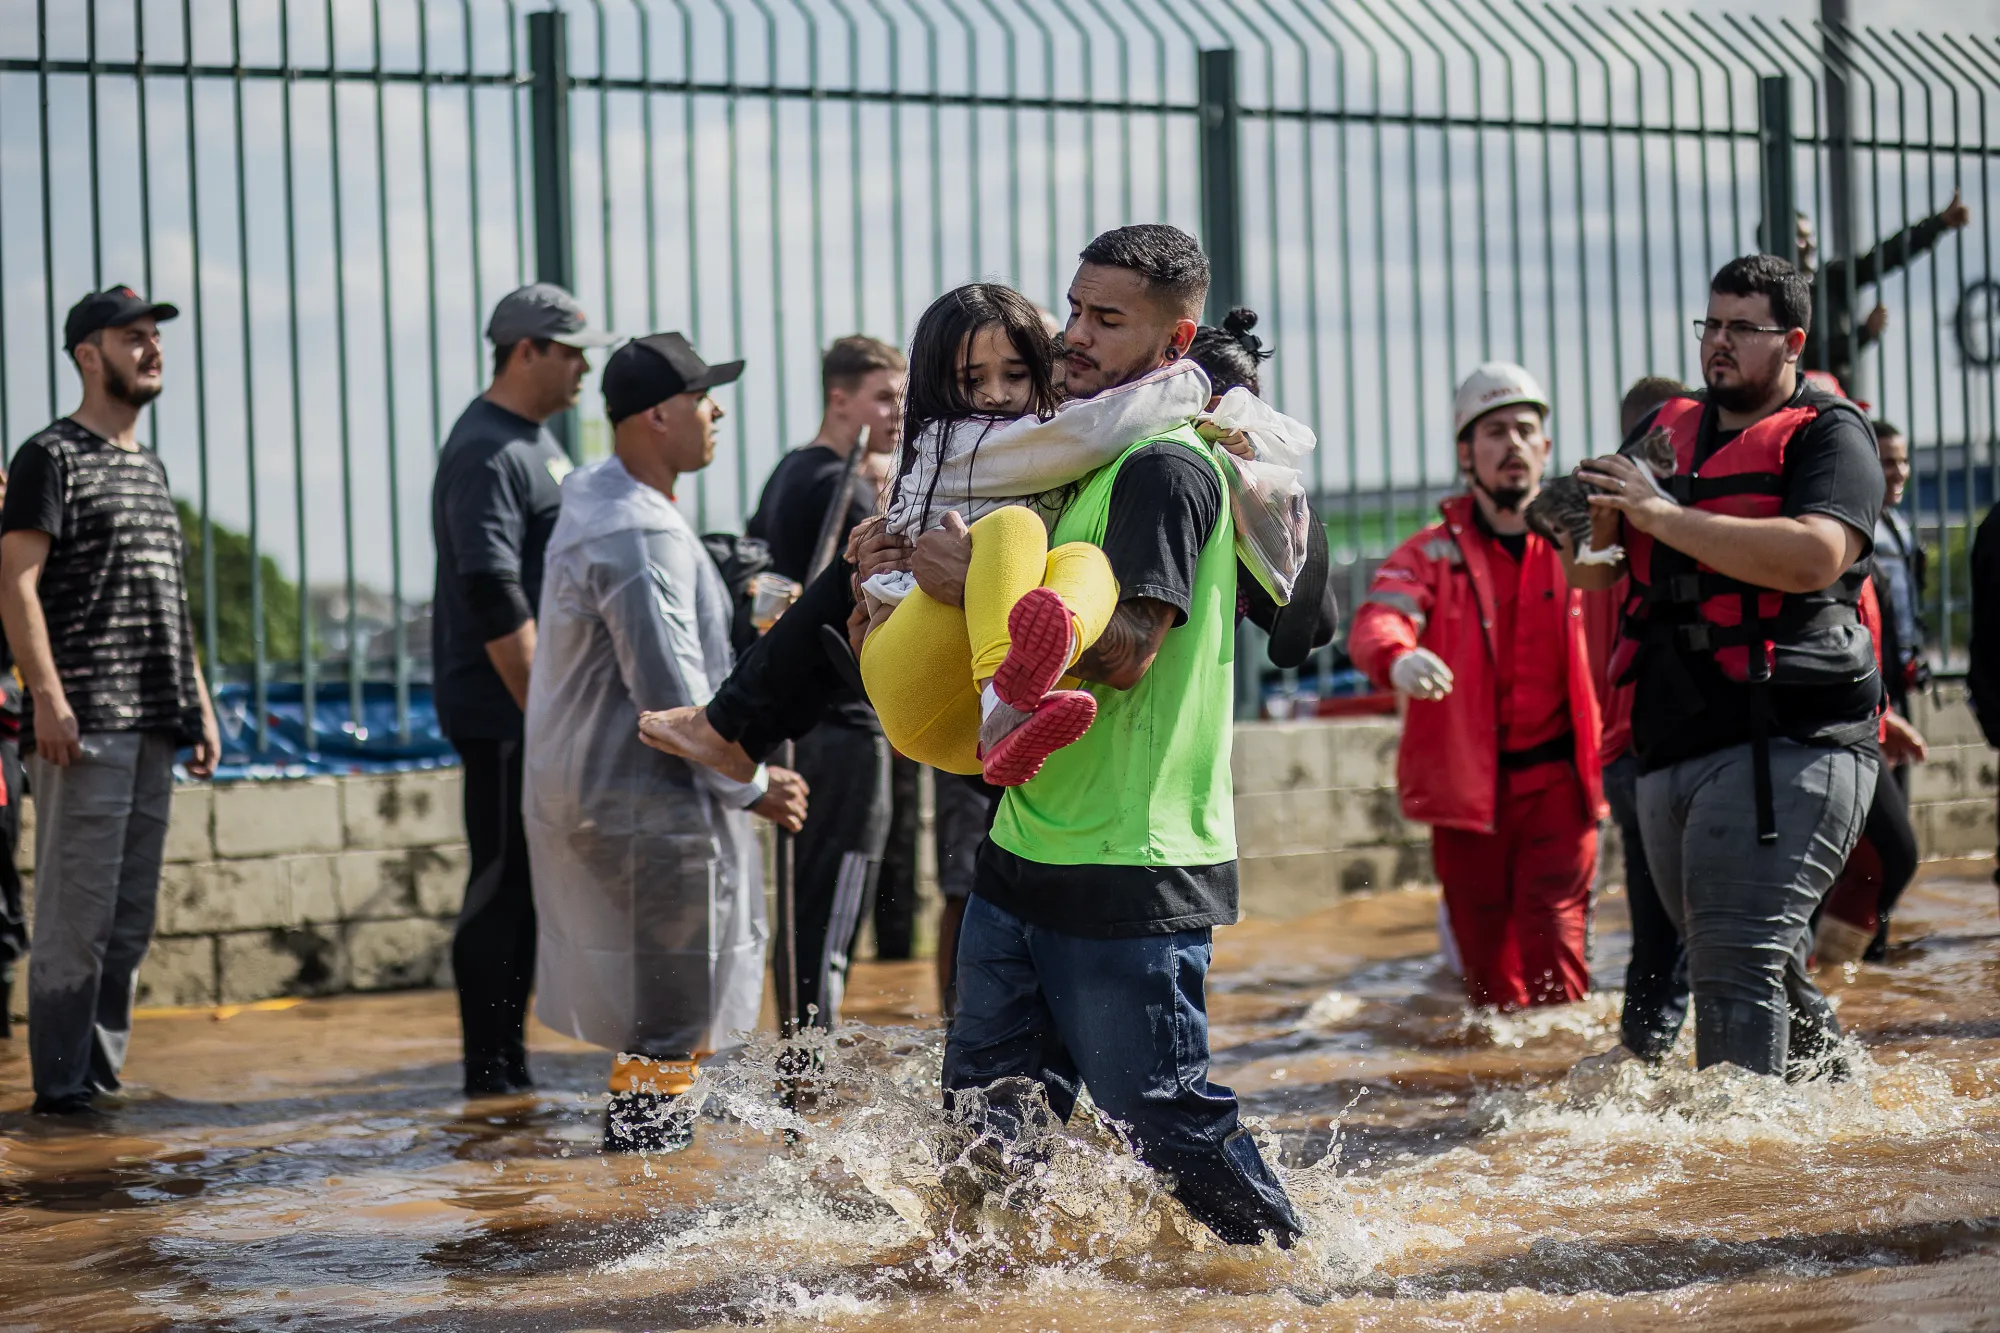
x=648, y=883
x=1267, y=493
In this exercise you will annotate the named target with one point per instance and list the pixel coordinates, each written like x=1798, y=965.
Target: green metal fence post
x=548, y=109
x=1222, y=238
x=308, y=667
x=1941, y=583
x=1221, y=183
x=399, y=620
x=1784, y=54
x=1978, y=72
x=1970, y=501
x=259, y=668
x=1841, y=43
x=1774, y=151
x=1273, y=316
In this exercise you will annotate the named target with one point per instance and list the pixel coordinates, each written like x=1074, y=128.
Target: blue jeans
x=1127, y=1019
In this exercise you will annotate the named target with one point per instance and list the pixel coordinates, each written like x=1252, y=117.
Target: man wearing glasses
x=1755, y=683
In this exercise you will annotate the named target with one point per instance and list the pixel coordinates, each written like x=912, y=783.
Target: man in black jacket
x=1982, y=676
x=1834, y=342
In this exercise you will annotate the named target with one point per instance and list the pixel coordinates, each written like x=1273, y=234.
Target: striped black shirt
x=112, y=589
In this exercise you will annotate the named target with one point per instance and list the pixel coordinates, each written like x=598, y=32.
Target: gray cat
x=1563, y=505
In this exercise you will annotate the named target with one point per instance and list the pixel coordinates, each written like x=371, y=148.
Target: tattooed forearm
x=1128, y=645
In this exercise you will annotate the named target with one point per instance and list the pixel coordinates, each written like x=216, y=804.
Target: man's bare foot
x=685, y=732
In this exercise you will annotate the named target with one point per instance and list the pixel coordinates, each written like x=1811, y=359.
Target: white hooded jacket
x=988, y=463
x=648, y=884
x=982, y=464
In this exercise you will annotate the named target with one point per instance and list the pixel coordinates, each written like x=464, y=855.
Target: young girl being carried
x=984, y=689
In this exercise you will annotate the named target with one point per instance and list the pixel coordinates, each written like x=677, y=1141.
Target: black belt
x=1560, y=750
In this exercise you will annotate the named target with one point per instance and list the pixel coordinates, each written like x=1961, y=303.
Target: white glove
x=1421, y=674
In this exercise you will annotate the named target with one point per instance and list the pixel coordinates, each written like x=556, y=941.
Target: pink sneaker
x=1039, y=636
x=1060, y=719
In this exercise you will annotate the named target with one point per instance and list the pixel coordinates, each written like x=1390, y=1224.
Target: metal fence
x=335, y=191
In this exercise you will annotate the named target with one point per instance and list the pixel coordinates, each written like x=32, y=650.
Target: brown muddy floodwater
x=314, y=1168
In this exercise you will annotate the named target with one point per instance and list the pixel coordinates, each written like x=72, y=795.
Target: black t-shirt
x=1164, y=507
x=493, y=506
x=113, y=591
x=788, y=518
x=794, y=504
x=1831, y=467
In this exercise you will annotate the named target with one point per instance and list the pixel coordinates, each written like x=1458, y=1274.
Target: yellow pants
x=925, y=664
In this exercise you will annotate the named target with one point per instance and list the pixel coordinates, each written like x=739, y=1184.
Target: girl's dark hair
x=940, y=350
x=1230, y=355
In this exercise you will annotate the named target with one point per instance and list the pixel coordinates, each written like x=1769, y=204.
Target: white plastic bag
x=1267, y=493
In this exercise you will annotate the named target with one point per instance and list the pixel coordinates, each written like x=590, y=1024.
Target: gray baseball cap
x=544, y=310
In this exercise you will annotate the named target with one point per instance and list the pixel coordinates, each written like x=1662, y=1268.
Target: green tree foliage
x=232, y=597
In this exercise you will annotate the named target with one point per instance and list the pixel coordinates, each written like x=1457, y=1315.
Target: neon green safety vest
x=1148, y=785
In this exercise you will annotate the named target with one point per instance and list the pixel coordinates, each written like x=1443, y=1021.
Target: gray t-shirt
x=493, y=505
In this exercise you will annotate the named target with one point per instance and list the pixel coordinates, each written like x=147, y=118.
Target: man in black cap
x=95, y=605
x=493, y=506
x=647, y=877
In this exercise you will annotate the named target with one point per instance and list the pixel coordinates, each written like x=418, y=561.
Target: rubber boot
x=644, y=1114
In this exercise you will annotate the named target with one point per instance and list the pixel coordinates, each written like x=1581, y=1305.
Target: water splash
x=874, y=1166
x=1592, y=1018
x=1673, y=1101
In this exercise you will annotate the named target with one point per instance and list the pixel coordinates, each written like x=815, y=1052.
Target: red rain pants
x=1518, y=897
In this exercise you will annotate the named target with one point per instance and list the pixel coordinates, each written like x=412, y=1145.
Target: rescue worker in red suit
x=1471, y=621
x=1754, y=710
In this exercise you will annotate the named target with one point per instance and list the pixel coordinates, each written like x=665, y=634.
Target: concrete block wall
x=332, y=884
x=1953, y=793
x=304, y=887
x=1317, y=817
x=1316, y=810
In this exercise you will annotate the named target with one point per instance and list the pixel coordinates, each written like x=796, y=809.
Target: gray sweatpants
x=100, y=831
x=1744, y=908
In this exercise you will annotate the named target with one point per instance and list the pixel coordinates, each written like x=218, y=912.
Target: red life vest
x=1689, y=609
x=1736, y=623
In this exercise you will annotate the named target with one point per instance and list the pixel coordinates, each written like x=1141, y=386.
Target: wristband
x=761, y=780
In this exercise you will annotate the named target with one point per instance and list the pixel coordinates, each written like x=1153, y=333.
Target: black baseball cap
x=112, y=308
x=654, y=368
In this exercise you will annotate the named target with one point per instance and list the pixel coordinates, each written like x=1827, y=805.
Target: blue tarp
x=337, y=743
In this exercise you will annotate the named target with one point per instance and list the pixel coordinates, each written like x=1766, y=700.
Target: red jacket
x=1437, y=592
x=1603, y=621
x=1869, y=610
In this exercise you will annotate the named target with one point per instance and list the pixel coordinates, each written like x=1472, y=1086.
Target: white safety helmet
x=1495, y=384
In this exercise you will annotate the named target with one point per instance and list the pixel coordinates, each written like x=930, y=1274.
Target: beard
x=127, y=391
x=1744, y=395
x=1506, y=499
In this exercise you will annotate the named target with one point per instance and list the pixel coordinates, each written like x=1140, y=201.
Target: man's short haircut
x=501, y=351
x=1768, y=275
x=852, y=359
x=1647, y=393
x=1883, y=428
x=1168, y=259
